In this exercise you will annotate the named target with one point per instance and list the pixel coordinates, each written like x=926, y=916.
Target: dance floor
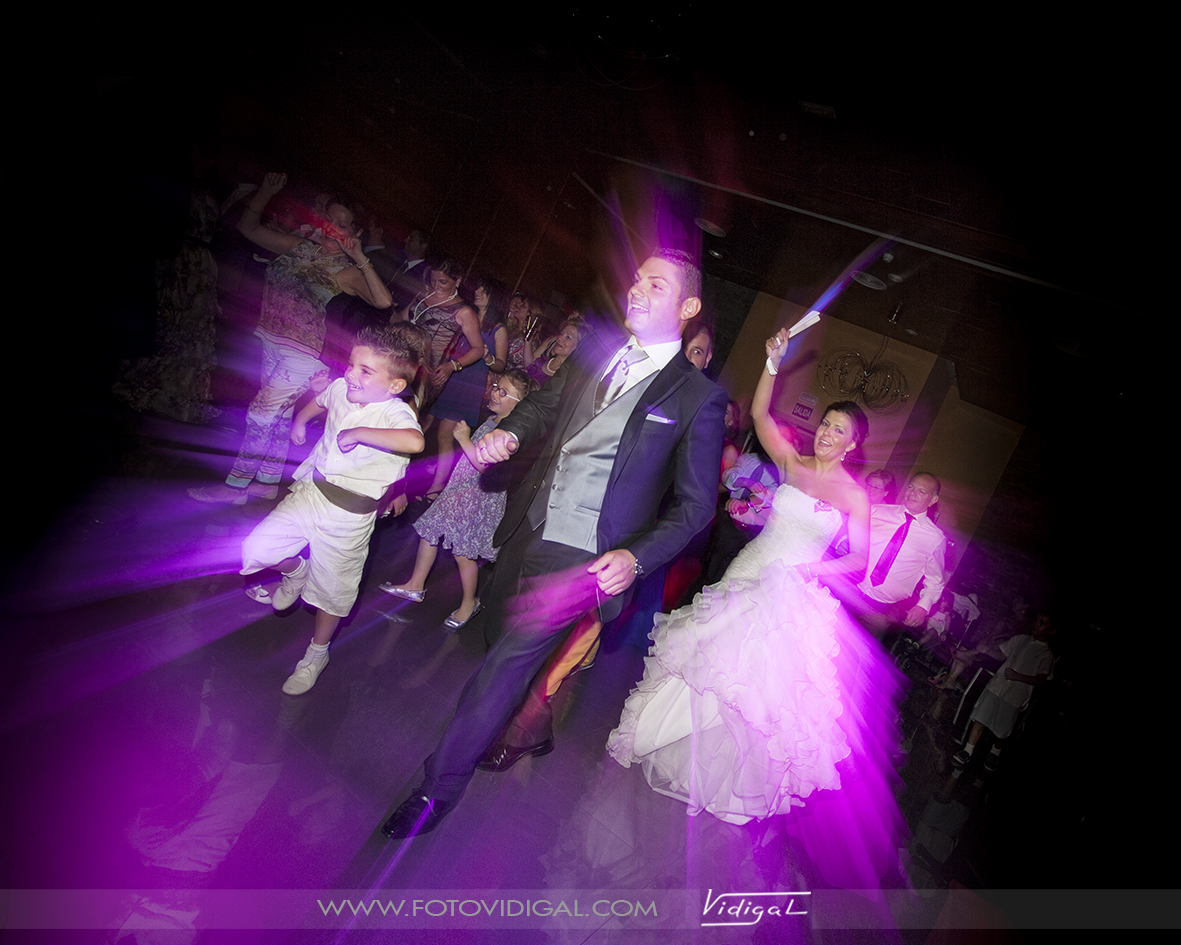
x=162, y=788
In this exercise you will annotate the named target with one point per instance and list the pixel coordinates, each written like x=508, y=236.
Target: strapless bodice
x=799, y=531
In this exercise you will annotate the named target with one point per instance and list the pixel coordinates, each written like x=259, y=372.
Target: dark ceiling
x=1002, y=172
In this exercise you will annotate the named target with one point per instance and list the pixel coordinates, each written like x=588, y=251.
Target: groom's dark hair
x=686, y=268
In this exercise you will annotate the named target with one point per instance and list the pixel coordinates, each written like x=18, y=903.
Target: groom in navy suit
x=584, y=523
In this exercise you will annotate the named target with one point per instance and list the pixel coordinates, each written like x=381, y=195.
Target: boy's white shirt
x=365, y=469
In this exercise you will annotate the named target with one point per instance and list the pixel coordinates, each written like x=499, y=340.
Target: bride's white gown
x=763, y=692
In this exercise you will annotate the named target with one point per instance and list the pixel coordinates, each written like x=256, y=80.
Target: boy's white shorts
x=338, y=543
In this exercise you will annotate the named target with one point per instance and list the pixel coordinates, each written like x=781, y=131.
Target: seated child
x=333, y=502
x=1028, y=661
x=465, y=516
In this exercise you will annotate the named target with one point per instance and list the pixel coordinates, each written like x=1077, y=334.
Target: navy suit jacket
x=673, y=439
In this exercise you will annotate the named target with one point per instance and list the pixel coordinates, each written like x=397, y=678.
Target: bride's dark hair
x=856, y=414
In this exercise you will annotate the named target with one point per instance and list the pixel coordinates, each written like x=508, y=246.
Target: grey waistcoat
x=571, y=494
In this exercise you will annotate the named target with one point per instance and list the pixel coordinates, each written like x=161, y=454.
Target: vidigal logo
x=748, y=908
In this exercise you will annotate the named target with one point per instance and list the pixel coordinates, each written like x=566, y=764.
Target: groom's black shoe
x=418, y=814
x=501, y=757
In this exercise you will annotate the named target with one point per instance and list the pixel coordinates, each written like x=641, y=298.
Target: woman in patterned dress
x=299, y=283
x=466, y=391
x=453, y=325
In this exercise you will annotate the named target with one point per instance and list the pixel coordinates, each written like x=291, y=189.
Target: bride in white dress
x=763, y=692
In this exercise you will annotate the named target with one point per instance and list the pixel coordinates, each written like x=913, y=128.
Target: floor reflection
x=158, y=753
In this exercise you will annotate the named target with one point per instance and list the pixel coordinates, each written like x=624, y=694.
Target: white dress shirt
x=921, y=556
x=658, y=356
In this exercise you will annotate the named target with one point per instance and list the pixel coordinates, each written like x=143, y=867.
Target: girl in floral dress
x=465, y=516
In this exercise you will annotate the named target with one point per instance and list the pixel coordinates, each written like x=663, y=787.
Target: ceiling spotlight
x=870, y=282
x=709, y=227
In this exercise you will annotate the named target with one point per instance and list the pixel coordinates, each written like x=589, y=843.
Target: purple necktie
x=893, y=546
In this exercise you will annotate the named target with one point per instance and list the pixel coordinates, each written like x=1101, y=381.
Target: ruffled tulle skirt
x=763, y=697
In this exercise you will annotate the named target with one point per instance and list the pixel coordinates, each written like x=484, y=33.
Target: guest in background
x=464, y=393
x=521, y=323
x=986, y=650
x=699, y=344
x=492, y=306
x=881, y=487
x=1028, y=664
x=905, y=547
x=299, y=283
x=555, y=352
x=174, y=380
x=348, y=314
x=453, y=325
x=411, y=275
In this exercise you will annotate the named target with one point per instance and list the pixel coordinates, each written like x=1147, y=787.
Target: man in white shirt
x=905, y=546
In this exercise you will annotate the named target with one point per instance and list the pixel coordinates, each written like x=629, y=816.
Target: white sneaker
x=289, y=589
x=307, y=671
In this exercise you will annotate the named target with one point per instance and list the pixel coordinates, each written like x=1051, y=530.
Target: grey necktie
x=613, y=384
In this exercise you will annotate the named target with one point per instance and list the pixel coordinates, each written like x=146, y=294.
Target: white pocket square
x=659, y=418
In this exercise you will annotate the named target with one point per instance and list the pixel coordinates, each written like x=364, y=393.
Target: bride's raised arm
x=781, y=449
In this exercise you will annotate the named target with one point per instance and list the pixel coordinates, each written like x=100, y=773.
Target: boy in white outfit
x=333, y=502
